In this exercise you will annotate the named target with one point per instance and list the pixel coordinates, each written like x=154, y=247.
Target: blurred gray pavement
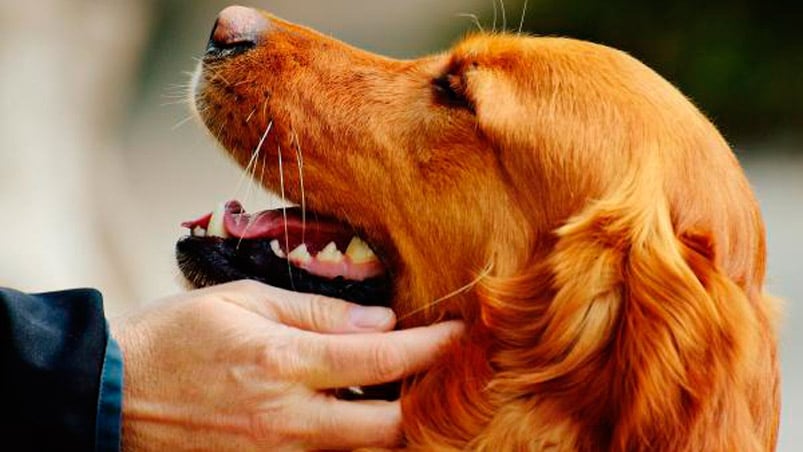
x=778, y=182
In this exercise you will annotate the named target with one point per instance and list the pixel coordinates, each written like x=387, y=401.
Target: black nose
x=236, y=30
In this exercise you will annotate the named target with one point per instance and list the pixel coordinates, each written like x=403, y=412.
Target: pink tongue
x=314, y=230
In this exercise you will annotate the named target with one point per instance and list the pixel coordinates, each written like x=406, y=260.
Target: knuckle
x=246, y=285
x=334, y=358
x=390, y=435
x=264, y=426
x=278, y=358
x=320, y=313
x=318, y=301
x=389, y=362
x=271, y=427
x=240, y=293
x=206, y=307
x=268, y=362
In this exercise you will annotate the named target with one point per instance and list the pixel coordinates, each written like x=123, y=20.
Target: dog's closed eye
x=449, y=90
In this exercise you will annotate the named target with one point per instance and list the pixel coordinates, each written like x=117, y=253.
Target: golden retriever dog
x=587, y=222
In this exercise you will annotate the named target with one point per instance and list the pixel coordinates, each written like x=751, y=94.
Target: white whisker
x=496, y=14
x=250, y=169
x=220, y=129
x=251, y=115
x=183, y=121
x=504, y=15
x=182, y=84
x=251, y=172
x=244, y=82
x=248, y=195
x=254, y=156
x=482, y=275
x=178, y=93
x=474, y=18
x=284, y=216
x=215, y=75
x=262, y=174
x=181, y=100
x=300, y=162
x=523, y=15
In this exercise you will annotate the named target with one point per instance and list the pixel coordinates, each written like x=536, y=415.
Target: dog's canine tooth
x=199, y=232
x=277, y=249
x=356, y=390
x=216, y=227
x=300, y=254
x=359, y=252
x=330, y=253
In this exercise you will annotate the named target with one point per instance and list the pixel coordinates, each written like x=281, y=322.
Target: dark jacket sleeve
x=52, y=350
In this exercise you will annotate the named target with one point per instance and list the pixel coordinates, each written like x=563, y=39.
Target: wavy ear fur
x=627, y=338
x=642, y=340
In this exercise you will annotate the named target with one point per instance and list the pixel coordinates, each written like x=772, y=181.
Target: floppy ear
x=630, y=330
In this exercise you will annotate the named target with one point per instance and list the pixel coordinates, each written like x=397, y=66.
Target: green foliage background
x=740, y=61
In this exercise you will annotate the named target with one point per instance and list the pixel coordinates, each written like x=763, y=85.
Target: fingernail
x=370, y=317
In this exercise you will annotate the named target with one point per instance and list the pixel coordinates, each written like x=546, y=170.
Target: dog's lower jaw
x=211, y=261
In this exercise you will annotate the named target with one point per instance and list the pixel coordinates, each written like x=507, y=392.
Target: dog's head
x=590, y=225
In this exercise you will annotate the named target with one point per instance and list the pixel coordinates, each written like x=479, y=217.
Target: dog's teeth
x=300, y=254
x=359, y=252
x=199, y=232
x=356, y=390
x=216, y=227
x=330, y=253
x=277, y=250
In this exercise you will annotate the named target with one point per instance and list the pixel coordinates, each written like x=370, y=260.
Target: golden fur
x=620, y=250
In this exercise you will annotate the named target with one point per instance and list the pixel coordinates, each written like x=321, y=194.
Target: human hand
x=246, y=366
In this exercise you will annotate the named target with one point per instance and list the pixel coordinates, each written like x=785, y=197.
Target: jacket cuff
x=110, y=400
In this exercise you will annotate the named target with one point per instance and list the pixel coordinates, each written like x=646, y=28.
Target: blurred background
x=100, y=160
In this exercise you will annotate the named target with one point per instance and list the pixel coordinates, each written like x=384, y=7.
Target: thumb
x=317, y=313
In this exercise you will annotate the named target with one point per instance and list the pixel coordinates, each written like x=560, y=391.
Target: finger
x=314, y=312
x=329, y=315
x=351, y=425
x=367, y=359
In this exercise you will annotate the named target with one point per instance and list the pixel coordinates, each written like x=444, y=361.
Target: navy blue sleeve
x=110, y=401
x=52, y=352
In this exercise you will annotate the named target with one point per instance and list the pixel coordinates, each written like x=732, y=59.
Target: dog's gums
x=314, y=246
x=324, y=257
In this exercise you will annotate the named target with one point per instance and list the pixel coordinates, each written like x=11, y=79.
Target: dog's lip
x=320, y=245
